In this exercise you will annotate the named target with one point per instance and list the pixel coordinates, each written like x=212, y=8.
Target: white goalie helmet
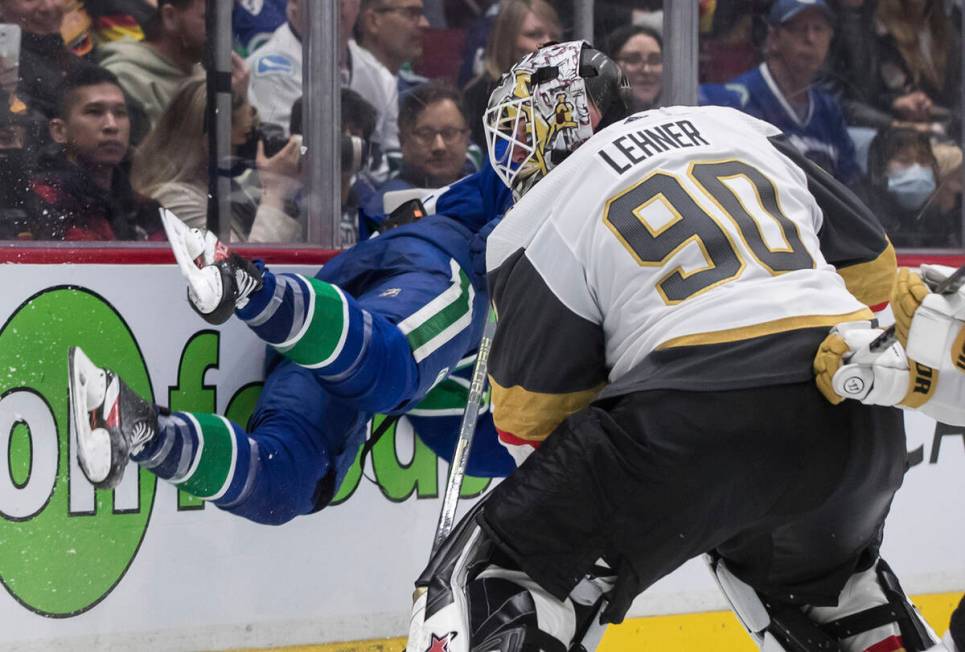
x=541, y=110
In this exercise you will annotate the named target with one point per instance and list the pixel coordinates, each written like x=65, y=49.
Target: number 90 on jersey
x=689, y=223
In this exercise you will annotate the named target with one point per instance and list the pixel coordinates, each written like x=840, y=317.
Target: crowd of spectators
x=107, y=118
x=871, y=91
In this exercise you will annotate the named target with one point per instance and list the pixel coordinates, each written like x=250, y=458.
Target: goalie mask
x=540, y=112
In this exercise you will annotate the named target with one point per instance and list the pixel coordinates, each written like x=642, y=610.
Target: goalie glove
x=219, y=280
x=845, y=367
x=936, y=330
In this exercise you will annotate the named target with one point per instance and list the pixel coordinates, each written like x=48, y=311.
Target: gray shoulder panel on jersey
x=540, y=344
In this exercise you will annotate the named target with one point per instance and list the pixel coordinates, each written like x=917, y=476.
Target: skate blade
x=93, y=445
x=188, y=242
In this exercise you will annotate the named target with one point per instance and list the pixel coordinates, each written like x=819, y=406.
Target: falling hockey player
x=374, y=331
x=662, y=286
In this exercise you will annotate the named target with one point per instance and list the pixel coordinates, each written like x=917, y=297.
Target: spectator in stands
x=920, y=72
x=152, y=70
x=253, y=23
x=782, y=90
x=920, y=67
x=852, y=72
x=44, y=59
x=609, y=15
x=276, y=76
x=903, y=175
x=872, y=76
x=520, y=28
x=115, y=20
x=16, y=167
x=391, y=30
x=389, y=34
x=358, y=124
x=639, y=51
x=434, y=134
x=276, y=68
x=171, y=166
x=82, y=190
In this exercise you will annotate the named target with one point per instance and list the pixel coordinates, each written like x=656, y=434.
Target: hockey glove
x=845, y=368
x=218, y=279
x=908, y=294
x=936, y=330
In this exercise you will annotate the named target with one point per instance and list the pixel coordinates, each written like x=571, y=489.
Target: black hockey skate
x=110, y=422
x=219, y=280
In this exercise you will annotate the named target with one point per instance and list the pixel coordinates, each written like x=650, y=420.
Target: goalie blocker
x=921, y=367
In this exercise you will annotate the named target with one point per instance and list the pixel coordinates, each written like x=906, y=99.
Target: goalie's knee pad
x=872, y=613
x=470, y=598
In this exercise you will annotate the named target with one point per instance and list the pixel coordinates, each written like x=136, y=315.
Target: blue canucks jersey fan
x=254, y=21
x=375, y=331
x=782, y=89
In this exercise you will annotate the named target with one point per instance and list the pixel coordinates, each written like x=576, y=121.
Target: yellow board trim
x=534, y=415
x=765, y=328
x=873, y=282
x=715, y=630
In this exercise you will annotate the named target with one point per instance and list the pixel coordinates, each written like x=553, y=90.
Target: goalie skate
x=219, y=280
x=110, y=422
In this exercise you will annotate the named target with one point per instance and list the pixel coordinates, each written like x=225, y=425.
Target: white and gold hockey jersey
x=679, y=249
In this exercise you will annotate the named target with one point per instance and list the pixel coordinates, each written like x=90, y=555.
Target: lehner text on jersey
x=631, y=148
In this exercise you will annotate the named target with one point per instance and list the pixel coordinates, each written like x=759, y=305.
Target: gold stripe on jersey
x=922, y=383
x=872, y=282
x=534, y=415
x=764, y=328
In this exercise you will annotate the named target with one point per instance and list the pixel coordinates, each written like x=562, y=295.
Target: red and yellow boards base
x=719, y=631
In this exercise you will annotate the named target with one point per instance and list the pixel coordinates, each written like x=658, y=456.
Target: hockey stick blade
x=952, y=283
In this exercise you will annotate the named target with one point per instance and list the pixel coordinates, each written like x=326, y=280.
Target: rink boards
x=146, y=568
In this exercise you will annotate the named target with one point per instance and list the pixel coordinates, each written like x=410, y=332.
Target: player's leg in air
x=300, y=443
x=342, y=359
x=352, y=351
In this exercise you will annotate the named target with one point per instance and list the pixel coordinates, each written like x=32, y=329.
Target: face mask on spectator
x=912, y=186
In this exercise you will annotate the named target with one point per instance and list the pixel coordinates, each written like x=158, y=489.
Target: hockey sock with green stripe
x=309, y=321
x=204, y=454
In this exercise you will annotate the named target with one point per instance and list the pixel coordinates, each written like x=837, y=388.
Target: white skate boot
x=219, y=280
x=109, y=420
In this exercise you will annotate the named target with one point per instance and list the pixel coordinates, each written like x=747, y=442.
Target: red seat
x=442, y=51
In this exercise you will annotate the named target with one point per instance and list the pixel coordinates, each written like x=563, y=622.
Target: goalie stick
x=460, y=455
x=467, y=430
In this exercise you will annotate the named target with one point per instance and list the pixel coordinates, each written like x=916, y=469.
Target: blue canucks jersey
x=821, y=135
x=389, y=326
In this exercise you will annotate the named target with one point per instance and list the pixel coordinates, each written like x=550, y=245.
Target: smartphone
x=9, y=56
